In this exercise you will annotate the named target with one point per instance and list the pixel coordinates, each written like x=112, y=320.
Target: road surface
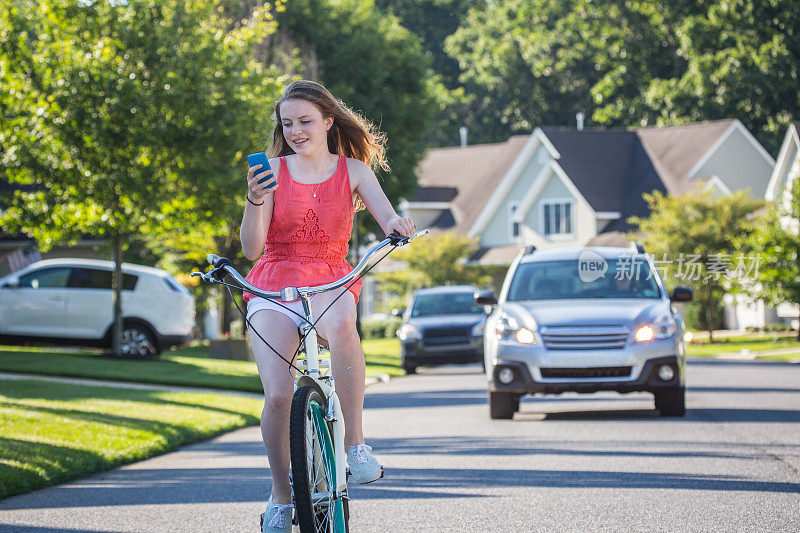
x=603, y=462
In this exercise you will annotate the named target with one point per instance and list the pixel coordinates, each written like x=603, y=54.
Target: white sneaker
x=364, y=468
x=277, y=518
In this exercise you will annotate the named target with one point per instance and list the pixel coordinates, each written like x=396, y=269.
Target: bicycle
x=318, y=475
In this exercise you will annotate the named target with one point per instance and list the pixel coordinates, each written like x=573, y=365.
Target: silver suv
x=584, y=320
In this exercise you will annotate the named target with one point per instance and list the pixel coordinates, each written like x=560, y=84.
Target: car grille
x=599, y=372
x=585, y=337
x=440, y=336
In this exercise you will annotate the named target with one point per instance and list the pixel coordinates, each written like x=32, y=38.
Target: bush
x=380, y=328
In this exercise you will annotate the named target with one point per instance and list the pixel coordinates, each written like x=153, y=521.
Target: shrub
x=380, y=328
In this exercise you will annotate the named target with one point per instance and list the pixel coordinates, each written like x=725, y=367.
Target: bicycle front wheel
x=314, y=466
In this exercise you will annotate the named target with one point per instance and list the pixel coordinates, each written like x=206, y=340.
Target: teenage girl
x=322, y=156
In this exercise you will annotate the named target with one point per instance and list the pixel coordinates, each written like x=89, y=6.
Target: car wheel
x=671, y=402
x=410, y=369
x=138, y=342
x=502, y=405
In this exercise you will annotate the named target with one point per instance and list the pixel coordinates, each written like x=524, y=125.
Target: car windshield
x=579, y=278
x=445, y=303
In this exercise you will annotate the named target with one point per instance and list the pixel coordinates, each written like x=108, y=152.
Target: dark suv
x=442, y=325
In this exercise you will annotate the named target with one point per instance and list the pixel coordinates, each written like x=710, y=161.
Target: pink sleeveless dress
x=308, y=236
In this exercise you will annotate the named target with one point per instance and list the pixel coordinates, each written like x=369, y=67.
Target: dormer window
x=556, y=218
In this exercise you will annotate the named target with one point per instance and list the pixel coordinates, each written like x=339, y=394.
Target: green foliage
x=777, y=241
x=742, y=60
x=380, y=328
x=433, y=21
x=539, y=62
x=122, y=115
x=527, y=63
x=438, y=259
x=703, y=226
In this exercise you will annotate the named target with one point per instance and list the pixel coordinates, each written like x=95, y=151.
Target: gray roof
x=610, y=168
x=472, y=172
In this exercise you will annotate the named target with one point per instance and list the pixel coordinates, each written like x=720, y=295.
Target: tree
x=777, y=241
x=128, y=118
x=433, y=21
x=632, y=63
x=535, y=62
x=437, y=259
x=742, y=60
x=701, y=234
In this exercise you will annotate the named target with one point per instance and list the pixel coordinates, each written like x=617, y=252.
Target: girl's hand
x=402, y=226
x=257, y=191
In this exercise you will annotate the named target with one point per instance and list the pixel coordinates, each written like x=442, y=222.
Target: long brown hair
x=351, y=135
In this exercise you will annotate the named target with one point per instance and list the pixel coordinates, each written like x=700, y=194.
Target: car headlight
x=409, y=332
x=508, y=329
x=663, y=327
x=478, y=329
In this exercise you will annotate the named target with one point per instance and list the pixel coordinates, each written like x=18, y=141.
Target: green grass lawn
x=53, y=432
x=754, y=343
x=187, y=366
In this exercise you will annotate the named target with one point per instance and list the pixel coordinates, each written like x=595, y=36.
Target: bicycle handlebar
x=222, y=266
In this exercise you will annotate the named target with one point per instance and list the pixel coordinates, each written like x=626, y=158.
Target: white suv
x=70, y=301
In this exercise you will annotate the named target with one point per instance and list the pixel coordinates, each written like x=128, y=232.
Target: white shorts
x=258, y=303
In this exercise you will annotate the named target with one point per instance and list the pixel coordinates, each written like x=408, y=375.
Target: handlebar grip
x=217, y=261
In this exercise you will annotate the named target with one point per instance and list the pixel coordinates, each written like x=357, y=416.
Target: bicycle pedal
x=381, y=472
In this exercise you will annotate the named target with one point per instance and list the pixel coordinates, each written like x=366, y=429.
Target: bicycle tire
x=313, y=466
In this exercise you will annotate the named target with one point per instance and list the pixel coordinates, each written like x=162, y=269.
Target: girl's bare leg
x=338, y=326
x=281, y=332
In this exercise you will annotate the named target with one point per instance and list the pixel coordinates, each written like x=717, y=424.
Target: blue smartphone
x=260, y=159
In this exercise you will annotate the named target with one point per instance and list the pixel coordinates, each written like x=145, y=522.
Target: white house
x=569, y=187
x=787, y=170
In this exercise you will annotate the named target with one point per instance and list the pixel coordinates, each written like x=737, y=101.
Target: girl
x=322, y=154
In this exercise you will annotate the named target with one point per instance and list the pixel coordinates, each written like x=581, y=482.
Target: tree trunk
x=223, y=245
x=116, y=285
x=708, y=311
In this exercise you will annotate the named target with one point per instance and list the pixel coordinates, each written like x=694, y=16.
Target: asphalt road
x=603, y=462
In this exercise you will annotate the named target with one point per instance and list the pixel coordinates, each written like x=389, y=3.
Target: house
x=575, y=187
x=569, y=187
x=787, y=170
x=787, y=167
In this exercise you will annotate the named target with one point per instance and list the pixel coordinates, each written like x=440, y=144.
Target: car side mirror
x=398, y=312
x=486, y=297
x=682, y=294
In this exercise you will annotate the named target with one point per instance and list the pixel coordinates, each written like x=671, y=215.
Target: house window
x=513, y=223
x=557, y=218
